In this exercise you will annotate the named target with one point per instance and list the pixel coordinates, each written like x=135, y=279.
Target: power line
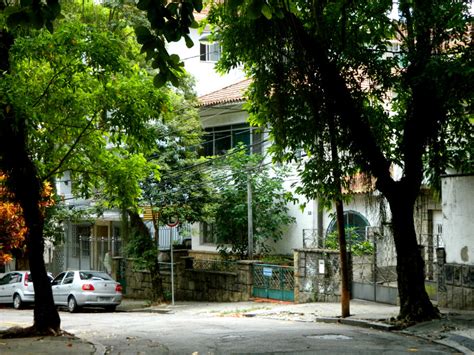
x=211, y=161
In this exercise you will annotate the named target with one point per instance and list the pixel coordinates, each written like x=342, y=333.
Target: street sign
x=267, y=271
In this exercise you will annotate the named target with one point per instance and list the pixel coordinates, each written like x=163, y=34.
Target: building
x=221, y=108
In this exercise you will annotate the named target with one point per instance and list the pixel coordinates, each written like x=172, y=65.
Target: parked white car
x=17, y=287
x=86, y=288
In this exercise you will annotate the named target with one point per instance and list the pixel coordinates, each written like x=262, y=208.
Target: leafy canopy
x=349, y=67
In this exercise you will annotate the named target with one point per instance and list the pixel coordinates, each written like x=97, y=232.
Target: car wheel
x=72, y=304
x=17, y=302
x=110, y=308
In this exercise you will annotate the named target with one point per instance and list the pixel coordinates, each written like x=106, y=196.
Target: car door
x=63, y=289
x=66, y=286
x=56, y=288
x=13, y=284
x=4, y=281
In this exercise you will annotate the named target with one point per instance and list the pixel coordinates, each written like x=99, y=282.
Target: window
x=94, y=275
x=15, y=277
x=69, y=278
x=210, y=52
x=353, y=220
x=81, y=240
x=206, y=231
x=57, y=280
x=218, y=140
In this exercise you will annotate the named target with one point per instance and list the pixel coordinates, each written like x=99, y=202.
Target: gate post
x=245, y=279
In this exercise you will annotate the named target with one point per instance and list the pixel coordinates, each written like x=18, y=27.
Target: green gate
x=273, y=281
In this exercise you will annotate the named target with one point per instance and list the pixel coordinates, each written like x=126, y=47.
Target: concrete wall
x=458, y=218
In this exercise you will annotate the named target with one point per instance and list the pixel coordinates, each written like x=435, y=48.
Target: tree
x=12, y=224
x=398, y=92
x=170, y=191
x=269, y=203
x=19, y=123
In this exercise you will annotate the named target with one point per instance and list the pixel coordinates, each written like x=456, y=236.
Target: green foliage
x=284, y=260
x=327, y=63
x=93, y=108
x=180, y=190
x=168, y=21
x=141, y=250
x=269, y=203
x=355, y=244
x=326, y=78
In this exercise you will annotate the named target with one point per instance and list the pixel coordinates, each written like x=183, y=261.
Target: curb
x=453, y=341
x=359, y=323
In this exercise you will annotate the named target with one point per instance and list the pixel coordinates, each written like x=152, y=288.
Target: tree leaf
x=189, y=41
x=159, y=80
x=267, y=11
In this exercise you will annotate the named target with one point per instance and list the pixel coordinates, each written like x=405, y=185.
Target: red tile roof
x=229, y=94
x=199, y=16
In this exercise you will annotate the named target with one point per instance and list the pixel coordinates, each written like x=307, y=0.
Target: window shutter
x=202, y=48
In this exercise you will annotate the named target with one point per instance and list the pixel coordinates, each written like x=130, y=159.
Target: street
x=187, y=332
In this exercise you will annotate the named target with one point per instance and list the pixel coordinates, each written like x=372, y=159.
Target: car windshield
x=94, y=275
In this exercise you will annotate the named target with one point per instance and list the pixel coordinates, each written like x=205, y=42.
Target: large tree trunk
x=46, y=316
x=23, y=181
x=26, y=187
x=415, y=305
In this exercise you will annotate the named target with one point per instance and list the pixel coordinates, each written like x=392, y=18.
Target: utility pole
x=345, y=298
x=249, y=216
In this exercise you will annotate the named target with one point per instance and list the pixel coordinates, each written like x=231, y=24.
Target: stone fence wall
x=193, y=284
x=317, y=279
x=455, y=284
x=317, y=276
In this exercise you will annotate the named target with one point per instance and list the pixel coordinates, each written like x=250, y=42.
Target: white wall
x=207, y=79
x=458, y=218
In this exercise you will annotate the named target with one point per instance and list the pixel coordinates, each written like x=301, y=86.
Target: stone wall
x=217, y=286
x=317, y=276
x=455, y=284
x=194, y=285
x=202, y=254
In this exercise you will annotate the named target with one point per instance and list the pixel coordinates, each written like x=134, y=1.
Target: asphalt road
x=207, y=333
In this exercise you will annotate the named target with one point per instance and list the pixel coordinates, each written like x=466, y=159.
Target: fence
x=86, y=252
x=312, y=239
x=179, y=235
x=374, y=275
x=197, y=281
x=274, y=281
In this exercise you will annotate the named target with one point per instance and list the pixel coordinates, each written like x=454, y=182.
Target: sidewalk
x=455, y=328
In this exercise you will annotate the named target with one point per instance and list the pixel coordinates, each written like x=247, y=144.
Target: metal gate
x=273, y=281
x=374, y=276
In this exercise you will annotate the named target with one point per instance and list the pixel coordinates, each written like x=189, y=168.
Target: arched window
x=353, y=220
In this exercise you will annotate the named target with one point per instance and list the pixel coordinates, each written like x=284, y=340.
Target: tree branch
x=345, y=106
x=69, y=152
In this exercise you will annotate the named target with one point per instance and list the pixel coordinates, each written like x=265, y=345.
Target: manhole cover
x=329, y=336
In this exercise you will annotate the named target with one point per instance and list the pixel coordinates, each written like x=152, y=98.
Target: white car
x=86, y=288
x=17, y=287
